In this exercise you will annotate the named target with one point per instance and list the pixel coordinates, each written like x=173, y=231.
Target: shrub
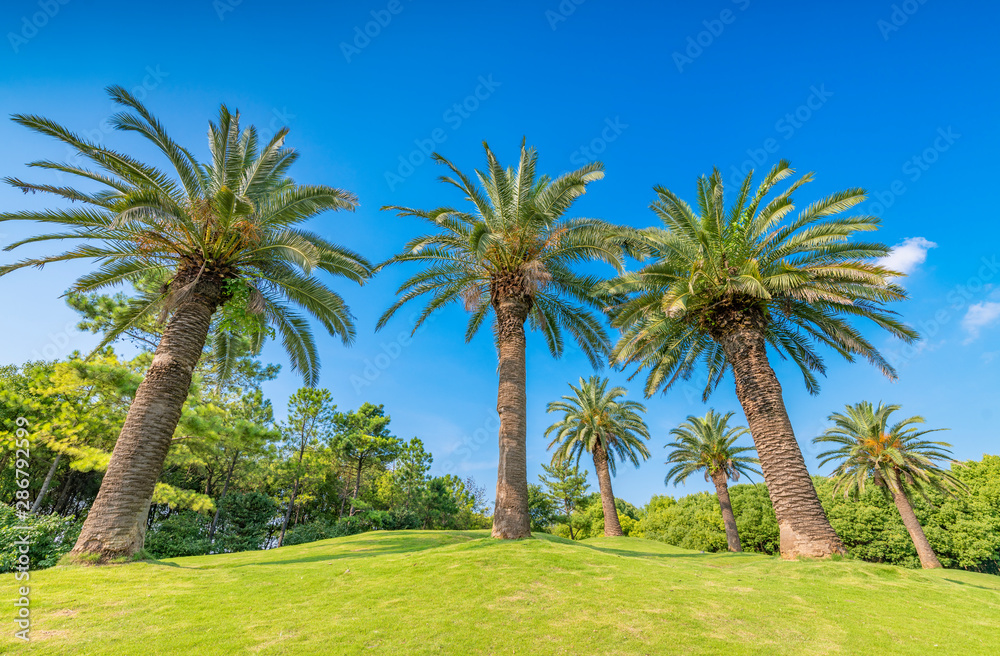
x=49, y=538
x=243, y=522
x=371, y=520
x=182, y=534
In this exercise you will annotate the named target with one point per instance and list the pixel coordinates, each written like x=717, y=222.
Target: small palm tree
x=512, y=255
x=707, y=443
x=893, y=457
x=724, y=286
x=596, y=421
x=224, y=239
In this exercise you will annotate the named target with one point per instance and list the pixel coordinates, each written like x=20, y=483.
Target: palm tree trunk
x=612, y=527
x=928, y=560
x=722, y=490
x=510, y=516
x=45, y=484
x=116, y=524
x=804, y=528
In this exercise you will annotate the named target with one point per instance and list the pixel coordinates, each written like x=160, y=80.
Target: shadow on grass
x=973, y=585
x=364, y=548
x=632, y=553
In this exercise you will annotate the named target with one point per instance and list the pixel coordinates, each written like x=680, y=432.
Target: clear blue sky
x=902, y=101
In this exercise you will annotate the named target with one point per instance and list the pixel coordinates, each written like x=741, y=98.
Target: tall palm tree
x=894, y=457
x=220, y=235
x=511, y=255
x=724, y=286
x=598, y=421
x=706, y=443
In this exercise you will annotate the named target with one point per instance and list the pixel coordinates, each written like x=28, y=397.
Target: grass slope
x=455, y=592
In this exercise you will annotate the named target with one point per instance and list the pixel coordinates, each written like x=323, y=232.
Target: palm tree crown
x=797, y=281
x=595, y=416
x=893, y=456
x=514, y=244
x=233, y=220
x=708, y=443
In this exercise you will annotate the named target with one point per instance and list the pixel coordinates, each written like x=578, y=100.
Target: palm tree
x=724, y=286
x=221, y=235
x=511, y=255
x=707, y=443
x=894, y=457
x=596, y=421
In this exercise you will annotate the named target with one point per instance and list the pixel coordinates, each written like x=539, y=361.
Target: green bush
x=588, y=518
x=691, y=522
x=182, y=534
x=243, y=522
x=371, y=520
x=49, y=538
x=964, y=531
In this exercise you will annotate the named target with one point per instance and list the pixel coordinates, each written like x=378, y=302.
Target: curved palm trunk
x=928, y=560
x=805, y=530
x=612, y=527
x=510, y=516
x=722, y=490
x=116, y=524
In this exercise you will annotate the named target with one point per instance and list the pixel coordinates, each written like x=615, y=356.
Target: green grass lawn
x=460, y=592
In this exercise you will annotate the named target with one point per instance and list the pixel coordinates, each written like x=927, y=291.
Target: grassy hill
x=459, y=592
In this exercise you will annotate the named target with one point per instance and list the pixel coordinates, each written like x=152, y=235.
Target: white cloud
x=906, y=256
x=979, y=316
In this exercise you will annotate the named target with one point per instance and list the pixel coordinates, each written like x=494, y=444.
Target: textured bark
x=722, y=490
x=804, y=528
x=612, y=527
x=46, y=483
x=928, y=559
x=510, y=516
x=116, y=524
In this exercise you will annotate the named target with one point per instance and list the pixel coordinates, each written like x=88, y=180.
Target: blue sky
x=898, y=98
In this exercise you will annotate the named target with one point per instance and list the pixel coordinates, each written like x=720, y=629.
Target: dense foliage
x=231, y=470
x=964, y=531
